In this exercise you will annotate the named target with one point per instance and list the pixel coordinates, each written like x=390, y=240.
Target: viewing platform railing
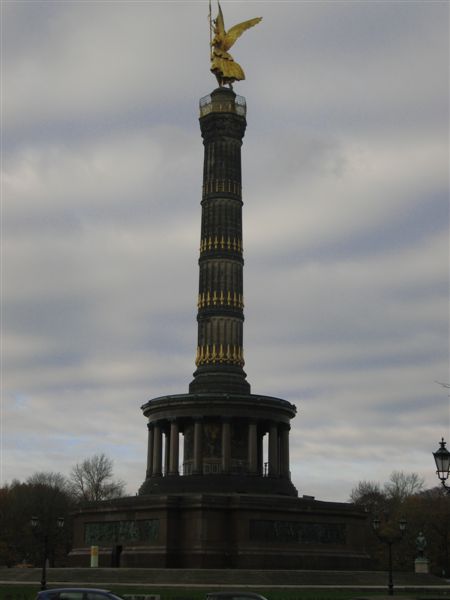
x=209, y=105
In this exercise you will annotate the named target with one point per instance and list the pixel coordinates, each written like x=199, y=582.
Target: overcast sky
x=346, y=202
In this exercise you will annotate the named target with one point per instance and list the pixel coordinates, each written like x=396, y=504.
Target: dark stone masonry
x=218, y=491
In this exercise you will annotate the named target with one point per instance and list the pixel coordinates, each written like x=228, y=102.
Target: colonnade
x=163, y=455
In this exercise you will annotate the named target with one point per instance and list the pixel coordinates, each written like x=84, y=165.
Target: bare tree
x=49, y=479
x=364, y=491
x=92, y=480
x=370, y=495
x=402, y=485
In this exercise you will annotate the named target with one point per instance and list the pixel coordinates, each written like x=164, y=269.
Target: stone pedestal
x=421, y=565
x=222, y=531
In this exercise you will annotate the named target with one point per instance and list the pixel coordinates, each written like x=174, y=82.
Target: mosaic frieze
x=301, y=533
x=120, y=532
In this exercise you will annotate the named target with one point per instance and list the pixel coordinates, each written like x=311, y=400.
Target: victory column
x=214, y=495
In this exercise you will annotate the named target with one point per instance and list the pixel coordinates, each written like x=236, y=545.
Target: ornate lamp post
x=35, y=524
x=442, y=460
x=389, y=539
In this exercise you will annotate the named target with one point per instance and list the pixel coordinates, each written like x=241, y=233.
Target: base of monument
x=421, y=565
x=218, y=484
x=231, y=531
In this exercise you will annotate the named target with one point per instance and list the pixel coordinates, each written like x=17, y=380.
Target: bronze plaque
x=113, y=532
x=294, y=531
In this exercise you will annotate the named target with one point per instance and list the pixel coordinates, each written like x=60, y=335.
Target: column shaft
x=149, y=451
x=157, y=451
x=284, y=451
x=273, y=451
x=198, y=450
x=174, y=448
x=166, y=451
x=220, y=352
x=260, y=457
x=252, y=448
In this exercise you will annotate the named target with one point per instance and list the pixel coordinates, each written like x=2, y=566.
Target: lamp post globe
x=442, y=460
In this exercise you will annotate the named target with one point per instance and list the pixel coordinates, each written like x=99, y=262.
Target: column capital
x=159, y=423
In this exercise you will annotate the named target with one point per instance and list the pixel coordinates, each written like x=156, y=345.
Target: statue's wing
x=220, y=24
x=232, y=35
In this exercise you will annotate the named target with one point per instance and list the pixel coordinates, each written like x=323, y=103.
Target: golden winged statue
x=223, y=65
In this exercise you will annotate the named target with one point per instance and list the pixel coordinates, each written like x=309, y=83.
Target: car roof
x=235, y=593
x=73, y=589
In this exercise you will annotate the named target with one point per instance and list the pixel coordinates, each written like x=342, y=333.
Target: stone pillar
x=273, y=451
x=157, y=451
x=220, y=317
x=226, y=446
x=284, y=451
x=260, y=453
x=166, y=451
x=149, y=450
x=252, y=448
x=198, y=450
x=174, y=448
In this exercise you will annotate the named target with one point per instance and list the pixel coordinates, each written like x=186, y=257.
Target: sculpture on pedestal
x=224, y=67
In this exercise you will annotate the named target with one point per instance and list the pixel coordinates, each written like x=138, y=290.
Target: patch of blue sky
x=374, y=26
x=174, y=383
x=364, y=331
x=301, y=392
x=419, y=291
x=20, y=400
x=26, y=443
x=67, y=220
x=422, y=219
x=124, y=450
x=69, y=442
x=373, y=361
x=50, y=314
x=70, y=129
